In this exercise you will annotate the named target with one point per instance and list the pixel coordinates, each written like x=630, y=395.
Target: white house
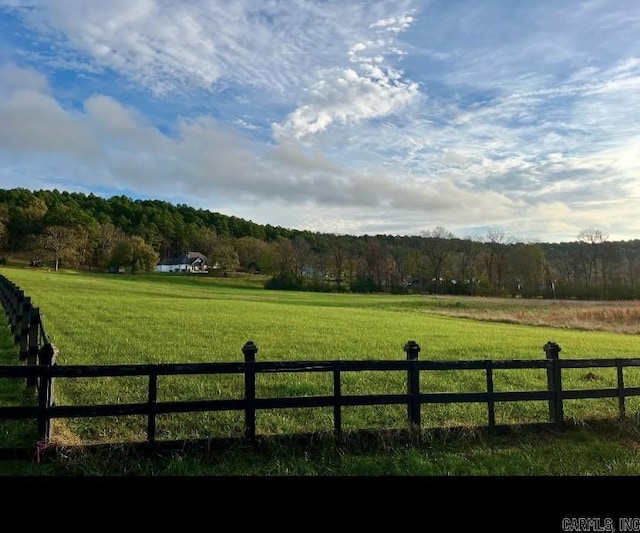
x=187, y=262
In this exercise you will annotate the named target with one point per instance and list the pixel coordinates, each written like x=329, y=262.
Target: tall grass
x=612, y=316
x=14, y=433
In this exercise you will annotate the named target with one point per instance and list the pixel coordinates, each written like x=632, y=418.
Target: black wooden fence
x=36, y=352
x=43, y=370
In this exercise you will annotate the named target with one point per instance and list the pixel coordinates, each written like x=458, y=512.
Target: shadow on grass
x=599, y=447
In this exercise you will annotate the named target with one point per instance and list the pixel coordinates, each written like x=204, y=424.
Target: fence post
x=47, y=358
x=554, y=383
x=15, y=304
x=491, y=405
x=24, y=305
x=25, y=330
x=620, y=388
x=413, y=383
x=32, y=353
x=337, y=402
x=152, y=399
x=250, y=350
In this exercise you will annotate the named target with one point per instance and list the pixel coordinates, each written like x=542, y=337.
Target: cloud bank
x=359, y=117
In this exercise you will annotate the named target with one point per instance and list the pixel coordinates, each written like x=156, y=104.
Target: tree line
x=78, y=230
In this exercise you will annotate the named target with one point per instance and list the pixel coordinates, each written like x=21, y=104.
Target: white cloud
x=242, y=123
x=169, y=46
x=109, y=144
x=35, y=122
x=347, y=96
x=14, y=78
x=394, y=24
x=368, y=89
x=315, y=115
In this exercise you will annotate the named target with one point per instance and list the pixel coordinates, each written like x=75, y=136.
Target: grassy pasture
x=115, y=319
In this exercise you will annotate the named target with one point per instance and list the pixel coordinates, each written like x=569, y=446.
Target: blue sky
x=359, y=117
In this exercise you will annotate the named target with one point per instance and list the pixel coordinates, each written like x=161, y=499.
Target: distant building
x=187, y=262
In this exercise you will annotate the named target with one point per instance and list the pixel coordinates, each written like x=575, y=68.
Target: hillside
x=87, y=231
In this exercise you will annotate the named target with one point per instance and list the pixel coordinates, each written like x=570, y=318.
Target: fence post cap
x=249, y=350
x=48, y=354
x=412, y=348
x=552, y=349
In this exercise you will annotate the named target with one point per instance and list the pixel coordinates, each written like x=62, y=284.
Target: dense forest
x=76, y=230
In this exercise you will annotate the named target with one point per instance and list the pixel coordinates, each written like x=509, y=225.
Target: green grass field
x=109, y=319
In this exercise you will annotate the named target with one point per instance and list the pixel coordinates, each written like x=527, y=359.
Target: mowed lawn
x=96, y=318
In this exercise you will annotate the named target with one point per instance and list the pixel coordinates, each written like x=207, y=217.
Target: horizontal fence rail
x=40, y=370
x=251, y=404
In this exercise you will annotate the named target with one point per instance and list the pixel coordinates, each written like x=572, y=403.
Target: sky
x=391, y=117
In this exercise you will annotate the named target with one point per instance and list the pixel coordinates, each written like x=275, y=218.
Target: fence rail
x=414, y=398
x=42, y=370
x=36, y=350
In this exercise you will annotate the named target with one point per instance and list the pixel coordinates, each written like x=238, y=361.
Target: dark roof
x=187, y=258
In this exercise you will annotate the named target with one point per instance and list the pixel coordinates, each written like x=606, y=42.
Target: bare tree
x=495, y=259
x=438, y=248
x=593, y=240
x=285, y=263
x=103, y=240
x=338, y=261
x=375, y=262
x=59, y=243
x=469, y=262
x=632, y=257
